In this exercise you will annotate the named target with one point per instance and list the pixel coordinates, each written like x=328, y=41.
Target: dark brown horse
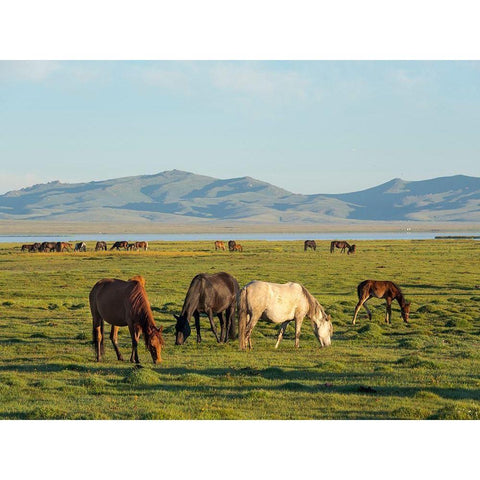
x=231, y=245
x=131, y=246
x=48, y=247
x=238, y=248
x=80, y=247
x=122, y=304
x=27, y=248
x=100, y=246
x=381, y=289
x=211, y=294
x=351, y=249
x=118, y=245
x=219, y=245
x=309, y=244
x=141, y=245
x=339, y=244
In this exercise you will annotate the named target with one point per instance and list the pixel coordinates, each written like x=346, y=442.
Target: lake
x=186, y=237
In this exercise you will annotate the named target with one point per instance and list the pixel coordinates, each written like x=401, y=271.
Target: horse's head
x=182, y=329
x=323, y=328
x=351, y=249
x=154, y=343
x=406, y=312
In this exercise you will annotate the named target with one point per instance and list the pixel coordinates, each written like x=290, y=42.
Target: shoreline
x=26, y=228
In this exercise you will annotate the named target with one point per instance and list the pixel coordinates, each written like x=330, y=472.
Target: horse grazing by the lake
x=213, y=294
x=281, y=303
x=352, y=249
x=28, y=248
x=339, y=244
x=63, y=247
x=80, y=247
x=231, y=245
x=48, y=247
x=381, y=289
x=131, y=246
x=219, y=245
x=141, y=245
x=118, y=245
x=101, y=246
x=309, y=244
x=238, y=248
x=122, y=304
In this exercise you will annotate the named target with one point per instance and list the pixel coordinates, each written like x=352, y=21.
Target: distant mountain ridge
x=182, y=197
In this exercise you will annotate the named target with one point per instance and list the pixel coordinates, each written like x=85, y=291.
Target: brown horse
x=309, y=244
x=381, y=289
x=48, y=247
x=339, y=244
x=118, y=245
x=100, y=246
x=131, y=246
x=27, y=248
x=63, y=247
x=238, y=248
x=231, y=245
x=121, y=304
x=219, y=245
x=139, y=245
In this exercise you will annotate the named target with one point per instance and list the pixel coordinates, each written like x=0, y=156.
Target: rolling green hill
x=182, y=197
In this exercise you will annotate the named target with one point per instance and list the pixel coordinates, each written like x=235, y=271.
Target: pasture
x=427, y=369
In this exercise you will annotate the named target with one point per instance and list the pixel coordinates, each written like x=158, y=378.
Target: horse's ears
x=329, y=318
x=160, y=329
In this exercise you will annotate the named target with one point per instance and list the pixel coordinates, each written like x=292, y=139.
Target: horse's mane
x=314, y=308
x=140, y=306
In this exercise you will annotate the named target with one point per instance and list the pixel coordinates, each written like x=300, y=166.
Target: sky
x=306, y=126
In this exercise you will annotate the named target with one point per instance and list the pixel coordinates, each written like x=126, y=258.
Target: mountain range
x=182, y=197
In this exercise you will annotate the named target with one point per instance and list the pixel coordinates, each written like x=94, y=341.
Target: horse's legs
x=298, y=327
x=135, y=334
x=389, y=310
x=223, y=330
x=196, y=315
x=248, y=330
x=361, y=302
x=114, y=338
x=230, y=313
x=281, y=332
x=97, y=322
x=212, y=325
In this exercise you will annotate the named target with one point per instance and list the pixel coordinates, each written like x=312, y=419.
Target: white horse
x=280, y=303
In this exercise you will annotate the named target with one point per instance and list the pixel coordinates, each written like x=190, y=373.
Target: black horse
x=231, y=245
x=118, y=245
x=211, y=294
x=309, y=244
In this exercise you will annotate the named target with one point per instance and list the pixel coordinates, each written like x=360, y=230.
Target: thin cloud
x=246, y=79
x=29, y=71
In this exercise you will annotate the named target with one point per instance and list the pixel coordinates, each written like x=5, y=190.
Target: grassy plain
x=426, y=369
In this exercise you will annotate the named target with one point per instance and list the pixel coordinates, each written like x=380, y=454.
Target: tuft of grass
x=141, y=376
x=415, y=361
x=459, y=323
x=370, y=331
x=457, y=411
x=410, y=413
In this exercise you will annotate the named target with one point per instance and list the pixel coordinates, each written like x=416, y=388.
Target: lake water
x=185, y=237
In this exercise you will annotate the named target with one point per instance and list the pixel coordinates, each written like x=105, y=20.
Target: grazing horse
x=118, y=245
x=339, y=244
x=131, y=246
x=139, y=245
x=122, y=304
x=100, y=246
x=219, y=245
x=80, y=247
x=381, y=289
x=351, y=249
x=280, y=303
x=63, y=246
x=309, y=244
x=238, y=248
x=231, y=245
x=48, y=247
x=211, y=294
x=27, y=248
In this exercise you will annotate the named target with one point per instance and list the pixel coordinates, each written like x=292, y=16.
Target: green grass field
x=426, y=369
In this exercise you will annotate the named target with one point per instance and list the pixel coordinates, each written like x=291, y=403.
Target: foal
x=381, y=289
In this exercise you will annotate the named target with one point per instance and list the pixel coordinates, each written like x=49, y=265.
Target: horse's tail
x=242, y=317
x=332, y=247
x=96, y=318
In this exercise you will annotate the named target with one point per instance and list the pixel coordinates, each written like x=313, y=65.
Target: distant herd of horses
x=125, y=303
x=341, y=244
x=81, y=246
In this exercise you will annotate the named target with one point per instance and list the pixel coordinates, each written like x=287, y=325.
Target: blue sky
x=309, y=127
